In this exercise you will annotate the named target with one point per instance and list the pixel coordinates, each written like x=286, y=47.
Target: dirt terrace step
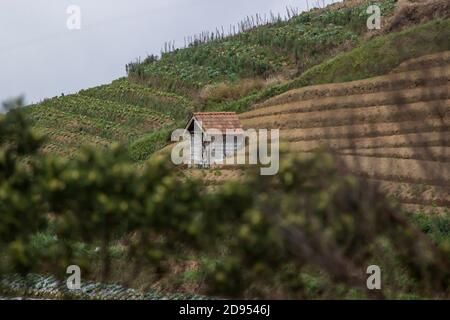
x=354, y=101
x=419, y=194
x=425, y=209
x=328, y=118
x=413, y=196
x=428, y=139
x=427, y=61
x=367, y=130
x=399, y=170
x=395, y=81
x=441, y=154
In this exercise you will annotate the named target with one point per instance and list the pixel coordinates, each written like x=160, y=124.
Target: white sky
x=40, y=57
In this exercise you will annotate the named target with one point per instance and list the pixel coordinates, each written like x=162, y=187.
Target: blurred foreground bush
x=307, y=232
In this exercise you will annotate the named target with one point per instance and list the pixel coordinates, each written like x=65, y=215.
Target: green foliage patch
x=125, y=92
x=144, y=147
x=300, y=42
x=378, y=56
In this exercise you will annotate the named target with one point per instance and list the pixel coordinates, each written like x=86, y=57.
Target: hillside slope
x=393, y=130
x=212, y=72
x=119, y=112
x=389, y=126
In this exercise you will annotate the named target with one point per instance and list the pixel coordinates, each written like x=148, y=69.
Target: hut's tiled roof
x=218, y=120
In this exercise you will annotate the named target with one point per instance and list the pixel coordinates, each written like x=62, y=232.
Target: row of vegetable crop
x=48, y=287
x=120, y=112
x=53, y=118
x=130, y=115
x=304, y=40
x=64, y=137
x=126, y=92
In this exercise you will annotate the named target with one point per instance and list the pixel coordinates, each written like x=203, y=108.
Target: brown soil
x=425, y=62
x=391, y=82
x=216, y=176
x=366, y=130
x=415, y=193
x=393, y=129
x=414, y=12
x=354, y=101
x=332, y=118
x=441, y=154
x=401, y=170
x=424, y=209
x=427, y=139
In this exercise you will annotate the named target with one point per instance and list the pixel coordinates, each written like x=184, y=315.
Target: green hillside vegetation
x=373, y=58
x=123, y=91
x=81, y=119
x=230, y=73
x=298, y=43
x=120, y=112
x=161, y=93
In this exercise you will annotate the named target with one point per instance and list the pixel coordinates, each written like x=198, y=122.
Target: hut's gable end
x=204, y=151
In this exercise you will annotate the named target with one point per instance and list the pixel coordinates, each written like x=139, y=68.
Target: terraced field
x=390, y=129
x=393, y=130
x=119, y=112
x=259, y=62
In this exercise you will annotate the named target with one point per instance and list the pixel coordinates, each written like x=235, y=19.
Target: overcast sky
x=40, y=57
